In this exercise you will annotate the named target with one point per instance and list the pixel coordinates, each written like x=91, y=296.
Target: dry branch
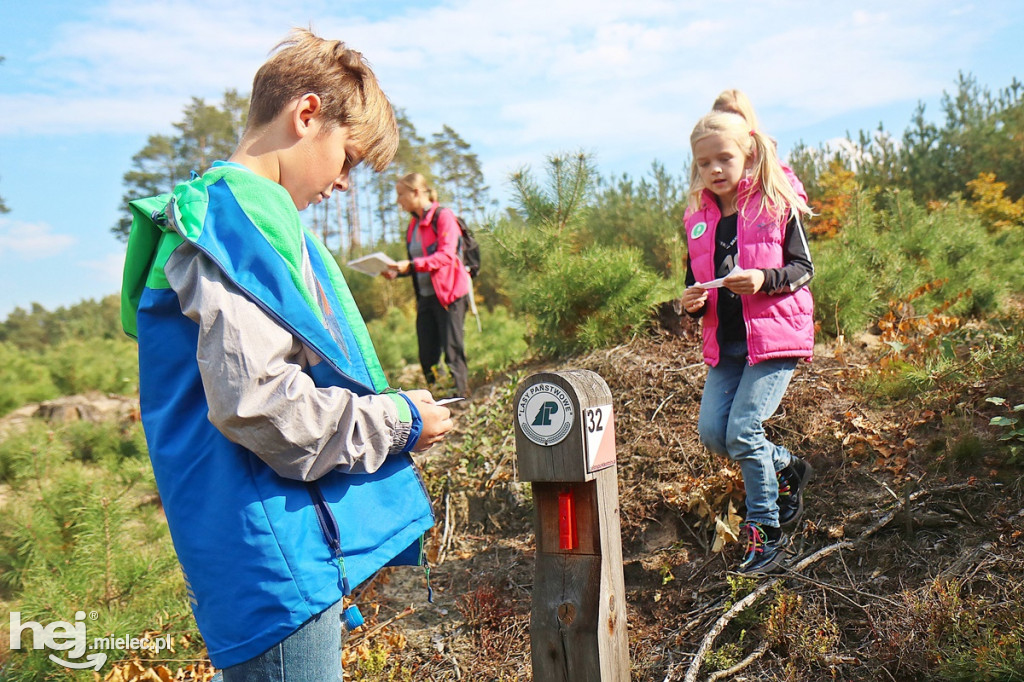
x=754, y=655
x=738, y=607
x=365, y=635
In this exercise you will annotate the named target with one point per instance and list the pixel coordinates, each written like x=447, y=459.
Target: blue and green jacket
x=262, y=553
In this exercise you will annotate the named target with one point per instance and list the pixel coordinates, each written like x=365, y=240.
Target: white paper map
x=372, y=263
x=716, y=283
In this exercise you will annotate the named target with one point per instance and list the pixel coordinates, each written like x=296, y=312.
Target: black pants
x=437, y=330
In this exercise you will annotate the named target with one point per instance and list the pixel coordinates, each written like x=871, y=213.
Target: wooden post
x=565, y=444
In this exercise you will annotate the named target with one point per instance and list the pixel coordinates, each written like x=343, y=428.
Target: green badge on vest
x=698, y=229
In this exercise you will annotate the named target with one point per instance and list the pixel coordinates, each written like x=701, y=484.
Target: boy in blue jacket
x=280, y=453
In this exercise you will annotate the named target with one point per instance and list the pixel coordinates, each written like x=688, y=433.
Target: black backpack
x=469, y=249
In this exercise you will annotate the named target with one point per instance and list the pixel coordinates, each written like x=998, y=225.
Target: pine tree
x=460, y=178
x=205, y=134
x=980, y=133
x=581, y=295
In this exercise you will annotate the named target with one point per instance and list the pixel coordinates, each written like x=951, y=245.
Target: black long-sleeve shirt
x=796, y=272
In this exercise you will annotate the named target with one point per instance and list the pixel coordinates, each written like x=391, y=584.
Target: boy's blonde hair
x=418, y=181
x=777, y=194
x=349, y=92
x=735, y=102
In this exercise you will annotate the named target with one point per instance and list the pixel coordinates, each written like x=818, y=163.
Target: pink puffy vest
x=779, y=325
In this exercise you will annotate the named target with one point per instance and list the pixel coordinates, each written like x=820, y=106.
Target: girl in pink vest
x=748, y=265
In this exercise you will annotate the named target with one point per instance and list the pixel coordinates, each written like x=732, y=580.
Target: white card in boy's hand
x=716, y=283
x=448, y=400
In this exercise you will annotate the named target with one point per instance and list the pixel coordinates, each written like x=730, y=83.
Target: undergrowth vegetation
x=934, y=260
x=82, y=531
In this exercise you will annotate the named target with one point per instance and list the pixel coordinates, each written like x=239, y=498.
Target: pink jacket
x=778, y=326
x=447, y=274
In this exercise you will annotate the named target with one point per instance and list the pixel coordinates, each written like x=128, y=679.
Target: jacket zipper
x=743, y=307
x=332, y=532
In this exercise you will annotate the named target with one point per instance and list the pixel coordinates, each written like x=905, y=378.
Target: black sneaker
x=764, y=552
x=793, y=481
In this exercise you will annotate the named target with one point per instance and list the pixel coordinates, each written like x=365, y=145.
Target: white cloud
x=509, y=74
x=57, y=114
x=106, y=270
x=31, y=241
x=619, y=76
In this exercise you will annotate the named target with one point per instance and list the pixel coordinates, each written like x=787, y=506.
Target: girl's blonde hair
x=416, y=181
x=777, y=194
x=348, y=90
x=735, y=102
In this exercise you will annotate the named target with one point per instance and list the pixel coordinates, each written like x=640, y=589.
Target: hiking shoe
x=764, y=554
x=793, y=481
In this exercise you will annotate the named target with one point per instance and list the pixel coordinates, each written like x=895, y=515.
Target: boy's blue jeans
x=738, y=397
x=310, y=654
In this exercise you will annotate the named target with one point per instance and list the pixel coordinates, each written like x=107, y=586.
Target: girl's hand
x=744, y=282
x=694, y=299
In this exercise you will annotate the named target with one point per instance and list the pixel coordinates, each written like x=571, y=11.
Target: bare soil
x=864, y=612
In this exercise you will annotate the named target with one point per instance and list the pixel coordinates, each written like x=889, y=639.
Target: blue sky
x=85, y=82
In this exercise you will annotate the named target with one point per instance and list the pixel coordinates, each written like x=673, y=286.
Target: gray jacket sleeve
x=258, y=394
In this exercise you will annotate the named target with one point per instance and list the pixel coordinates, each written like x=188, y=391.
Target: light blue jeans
x=310, y=654
x=737, y=398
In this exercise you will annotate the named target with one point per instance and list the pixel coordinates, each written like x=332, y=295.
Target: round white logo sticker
x=698, y=229
x=545, y=414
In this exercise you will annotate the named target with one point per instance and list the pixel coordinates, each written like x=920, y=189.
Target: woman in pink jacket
x=747, y=269
x=439, y=278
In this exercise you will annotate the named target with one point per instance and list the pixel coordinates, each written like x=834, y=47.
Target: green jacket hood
x=148, y=225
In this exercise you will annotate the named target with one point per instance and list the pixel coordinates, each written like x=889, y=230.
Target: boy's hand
x=744, y=282
x=694, y=298
x=436, y=418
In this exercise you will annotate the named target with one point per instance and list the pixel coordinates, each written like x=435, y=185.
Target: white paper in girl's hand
x=716, y=283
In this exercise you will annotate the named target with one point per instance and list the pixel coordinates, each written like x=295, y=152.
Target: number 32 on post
x=599, y=427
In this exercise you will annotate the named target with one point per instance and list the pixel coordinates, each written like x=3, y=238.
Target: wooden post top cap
x=559, y=420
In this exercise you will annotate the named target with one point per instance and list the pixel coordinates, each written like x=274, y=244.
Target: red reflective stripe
x=567, y=538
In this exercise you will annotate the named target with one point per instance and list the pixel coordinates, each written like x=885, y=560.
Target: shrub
x=589, y=300
x=23, y=378
x=646, y=215
x=579, y=295
x=79, y=532
x=943, y=632
x=499, y=342
x=105, y=365
x=942, y=259
x=394, y=338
